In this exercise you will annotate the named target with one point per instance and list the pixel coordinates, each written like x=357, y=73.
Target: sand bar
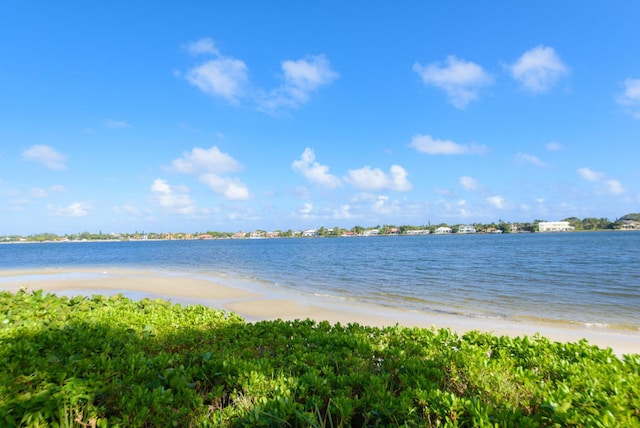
x=267, y=304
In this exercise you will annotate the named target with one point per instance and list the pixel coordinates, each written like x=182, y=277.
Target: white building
x=555, y=226
x=443, y=230
x=630, y=225
x=466, y=229
x=418, y=232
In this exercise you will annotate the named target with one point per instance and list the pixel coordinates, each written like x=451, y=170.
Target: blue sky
x=193, y=116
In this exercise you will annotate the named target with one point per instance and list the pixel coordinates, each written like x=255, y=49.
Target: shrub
x=94, y=362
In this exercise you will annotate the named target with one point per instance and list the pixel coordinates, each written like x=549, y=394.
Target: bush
x=97, y=362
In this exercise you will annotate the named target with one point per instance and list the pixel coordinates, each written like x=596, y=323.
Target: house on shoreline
x=630, y=225
x=555, y=226
x=371, y=232
x=417, y=232
x=466, y=229
x=443, y=230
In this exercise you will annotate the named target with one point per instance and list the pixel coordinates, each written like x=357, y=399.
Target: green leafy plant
x=111, y=361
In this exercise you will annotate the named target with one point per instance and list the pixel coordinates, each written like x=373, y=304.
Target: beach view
x=319, y=215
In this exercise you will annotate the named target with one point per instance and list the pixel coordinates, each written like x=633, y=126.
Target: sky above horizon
x=226, y=116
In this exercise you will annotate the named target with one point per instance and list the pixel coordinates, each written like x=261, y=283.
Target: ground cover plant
x=98, y=362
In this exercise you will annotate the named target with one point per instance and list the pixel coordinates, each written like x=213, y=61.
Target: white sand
x=267, y=304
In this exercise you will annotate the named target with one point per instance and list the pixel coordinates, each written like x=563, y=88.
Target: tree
x=632, y=217
x=504, y=227
x=357, y=230
x=605, y=223
x=287, y=234
x=575, y=222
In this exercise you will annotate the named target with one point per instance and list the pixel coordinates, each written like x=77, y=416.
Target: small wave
x=330, y=296
x=596, y=324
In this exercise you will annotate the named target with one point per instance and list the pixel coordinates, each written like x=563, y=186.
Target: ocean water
x=577, y=278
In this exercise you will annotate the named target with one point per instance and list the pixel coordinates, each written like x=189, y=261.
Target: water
x=578, y=278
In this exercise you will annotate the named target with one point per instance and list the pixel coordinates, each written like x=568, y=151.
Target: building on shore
x=555, y=226
x=443, y=230
x=371, y=232
x=414, y=232
x=630, y=225
x=466, y=229
x=310, y=233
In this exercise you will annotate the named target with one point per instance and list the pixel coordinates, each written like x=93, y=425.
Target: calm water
x=584, y=278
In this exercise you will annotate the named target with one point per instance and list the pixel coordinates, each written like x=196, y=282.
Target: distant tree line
x=591, y=223
x=588, y=223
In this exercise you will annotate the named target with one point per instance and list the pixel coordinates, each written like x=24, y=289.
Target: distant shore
x=265, y=304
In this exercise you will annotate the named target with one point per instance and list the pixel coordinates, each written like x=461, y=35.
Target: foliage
x=631, y=217
x=590, y=223
x=97, y=362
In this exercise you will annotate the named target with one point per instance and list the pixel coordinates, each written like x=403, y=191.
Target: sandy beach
x=267, y=304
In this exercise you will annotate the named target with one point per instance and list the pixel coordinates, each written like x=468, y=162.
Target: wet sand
x=266, y=304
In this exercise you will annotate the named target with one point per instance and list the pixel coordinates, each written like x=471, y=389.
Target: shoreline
x=257, y=304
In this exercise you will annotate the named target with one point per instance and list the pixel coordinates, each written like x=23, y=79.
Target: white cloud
x=221, y=77
x=497, y=201
x=200, y=160
x=554, y=146
x=614, y=187
x=461, y=80
x=76, y=209
x=457, y=208
x=173, y=198
x=591, y=175
x=531, y=159
x=227, y=77
x=306, y=75
x=231, y=188
x=204, y=46
x=301, y=78
x=539, y=69
x=469, y=183
x=461, y=207
x=342, y=213
x=428, y=144
x=608, y=186
x=57, y=188
x=306, y=210
x=110, y=123
x=210, y=165
x=313, y=171
x=630, y=97
x=45, y=155
x=367, y=178
x=383, y=206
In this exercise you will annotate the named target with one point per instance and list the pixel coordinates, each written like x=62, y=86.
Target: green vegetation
x=588, y=223
x=97, y=362
x=591, y=223
x=631, y=217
